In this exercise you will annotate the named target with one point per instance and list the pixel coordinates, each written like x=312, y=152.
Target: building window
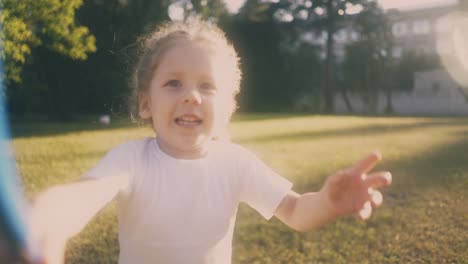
x=396, y=52
x=421, y=27
x=399, y=29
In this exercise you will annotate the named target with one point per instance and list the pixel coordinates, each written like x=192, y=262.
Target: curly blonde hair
x=156, y=44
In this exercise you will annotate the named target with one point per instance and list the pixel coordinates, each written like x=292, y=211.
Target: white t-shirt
x=183, y=211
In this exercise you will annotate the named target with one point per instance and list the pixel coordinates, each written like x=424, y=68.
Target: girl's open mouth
x=188, y=120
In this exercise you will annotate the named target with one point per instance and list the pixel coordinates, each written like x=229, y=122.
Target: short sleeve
x=116, y=163
x=261, y=188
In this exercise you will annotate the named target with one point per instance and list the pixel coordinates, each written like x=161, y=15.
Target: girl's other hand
x=45, y=232
x=354, y=190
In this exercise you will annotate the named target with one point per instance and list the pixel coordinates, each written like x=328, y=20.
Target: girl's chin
x=180, y=146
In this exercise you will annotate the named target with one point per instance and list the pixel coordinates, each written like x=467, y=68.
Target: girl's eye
x=174, y=84
x=209, y=87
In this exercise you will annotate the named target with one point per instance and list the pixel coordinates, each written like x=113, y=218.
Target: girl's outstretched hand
x=354, y=190
x=47, y=232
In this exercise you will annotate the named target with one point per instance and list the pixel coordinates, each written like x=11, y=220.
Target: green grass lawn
x=424, y=218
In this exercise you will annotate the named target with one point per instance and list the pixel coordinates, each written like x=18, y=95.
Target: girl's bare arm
x=62, y=211
x=350, y=191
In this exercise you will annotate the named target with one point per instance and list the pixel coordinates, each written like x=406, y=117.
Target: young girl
x=178, y=192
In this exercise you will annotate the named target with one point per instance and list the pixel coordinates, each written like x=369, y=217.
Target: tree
x=278, y=66
x=368, y=63
x=119, y=27
x=327, y=16
x=206, y=9
x=30, y=23
x=364, y=71
x=98, y=84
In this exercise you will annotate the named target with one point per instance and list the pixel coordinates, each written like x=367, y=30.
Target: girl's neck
x=189, y=153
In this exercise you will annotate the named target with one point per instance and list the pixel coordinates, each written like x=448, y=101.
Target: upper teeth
x=188, y=119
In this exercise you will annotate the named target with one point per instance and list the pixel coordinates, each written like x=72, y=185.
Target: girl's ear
x=144, y=105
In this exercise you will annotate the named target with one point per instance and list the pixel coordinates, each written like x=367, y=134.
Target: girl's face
x=185, y=101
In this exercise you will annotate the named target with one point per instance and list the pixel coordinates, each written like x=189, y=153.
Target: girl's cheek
x=224, y=109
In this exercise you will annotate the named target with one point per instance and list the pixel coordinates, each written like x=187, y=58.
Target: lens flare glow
x=452, y=46
x=14, y=229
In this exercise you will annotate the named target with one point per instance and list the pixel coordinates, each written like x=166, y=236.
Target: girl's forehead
x=189, y=57
x=187, y=52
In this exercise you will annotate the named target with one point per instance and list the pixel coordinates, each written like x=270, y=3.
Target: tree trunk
x=367, y=89
x=344, y=94
x=329, y=91
x=389, y=107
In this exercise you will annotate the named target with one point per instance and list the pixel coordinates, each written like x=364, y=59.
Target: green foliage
x=52, y=52
x=323, y=16
x=213, y=9
x=50, y=23
x=257, y=44
x=277, y=67
x=15, y=38
x=281, y=72
x=256, y=11
x=98, y=84
x=423, y=219
x=368, y=63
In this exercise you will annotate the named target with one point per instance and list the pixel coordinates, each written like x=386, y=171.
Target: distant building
x=434, y=93
x=418, y=30
x=425, y=31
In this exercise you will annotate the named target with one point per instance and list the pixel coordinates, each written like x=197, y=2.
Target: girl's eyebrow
x=205, y=77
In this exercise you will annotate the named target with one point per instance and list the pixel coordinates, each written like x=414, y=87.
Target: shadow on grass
x=40, y=129
x=444, y=166
x=423, y=219
x=22, y=129
x=25, y=129
x=243, y=117
x=361, y=130
x=58, y=157
x=427, y=203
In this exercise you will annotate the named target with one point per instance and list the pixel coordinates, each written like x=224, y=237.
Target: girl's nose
x=192, y=96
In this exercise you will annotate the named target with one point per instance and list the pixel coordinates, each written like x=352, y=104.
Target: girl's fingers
x=378, y=179
x=376, y=198
x=366, y=164
x=366, y=211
